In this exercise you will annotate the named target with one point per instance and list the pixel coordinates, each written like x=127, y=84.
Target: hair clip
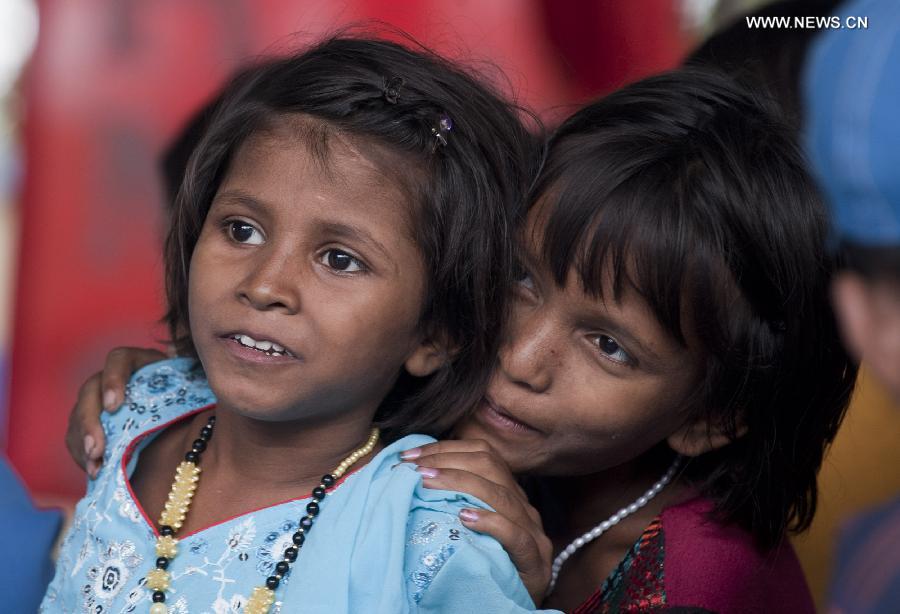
x=391, y=89
x=440, y=132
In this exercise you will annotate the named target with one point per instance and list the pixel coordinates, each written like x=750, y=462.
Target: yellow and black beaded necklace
x=187, y=475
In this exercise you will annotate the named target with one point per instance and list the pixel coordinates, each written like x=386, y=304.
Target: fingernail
x=428, y=472
x=468, y=515
x=89, y=445
x=109, y=399
x=411, y=454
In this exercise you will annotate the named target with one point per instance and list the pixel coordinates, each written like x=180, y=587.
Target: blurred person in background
x=853, y=136
x=27, y=535
x=767, y=60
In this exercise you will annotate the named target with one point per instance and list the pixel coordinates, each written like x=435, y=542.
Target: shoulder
x=171, y=383
x=719, y=567
x=156, y=394
x=448, y=567
x=868, y=561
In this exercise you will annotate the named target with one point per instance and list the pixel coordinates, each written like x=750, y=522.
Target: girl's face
x=312, y=262
x=582, y=385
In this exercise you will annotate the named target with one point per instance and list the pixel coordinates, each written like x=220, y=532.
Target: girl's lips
x=497, y=416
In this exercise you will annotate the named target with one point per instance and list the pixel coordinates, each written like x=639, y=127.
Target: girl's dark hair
x=464, y=193
x=696, y=194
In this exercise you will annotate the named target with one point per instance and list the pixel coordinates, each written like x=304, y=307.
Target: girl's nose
x=271, y=284
x=526, y=356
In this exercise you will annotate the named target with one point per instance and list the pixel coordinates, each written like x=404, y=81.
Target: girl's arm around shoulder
x=155, y=394
x=452, y=569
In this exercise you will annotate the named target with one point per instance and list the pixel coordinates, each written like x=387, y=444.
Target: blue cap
x=852, y=91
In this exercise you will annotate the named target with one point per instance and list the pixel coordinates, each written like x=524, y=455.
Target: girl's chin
x=466, y=428
x=519, y=459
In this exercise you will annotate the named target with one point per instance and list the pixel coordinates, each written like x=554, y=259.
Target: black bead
x=206, y=432
x=199, y=445
x=211, y=421
x=272, y=582
x=318, y=493
x=192, y=457
x=282, y=567
x=166, y=530
x=162, y=563
x=328, y=480
x=159, y=597
x=299, y=538
x=290, y=554
x=312, y=508
x=306, y=523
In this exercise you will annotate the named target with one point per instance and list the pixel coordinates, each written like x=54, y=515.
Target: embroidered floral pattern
x=111, y=573
x=241, y=536
x=273, y=548
x=427, y=531
x=430, y=564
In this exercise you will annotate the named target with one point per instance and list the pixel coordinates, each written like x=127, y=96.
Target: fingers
x=449, y=445
x=479, y=463
x=473, y=455
x=84, y=436
x=121, y=363
x=531, y=551
x=502, y=499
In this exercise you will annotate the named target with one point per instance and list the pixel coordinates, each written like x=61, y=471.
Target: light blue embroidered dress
x=381, y=544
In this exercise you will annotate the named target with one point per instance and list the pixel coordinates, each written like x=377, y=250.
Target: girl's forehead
x=327, y=145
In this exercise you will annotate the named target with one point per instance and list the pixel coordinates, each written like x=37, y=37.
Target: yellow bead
x=158, y=579
x=260, y=601
x=159, y=608
x=166, y=546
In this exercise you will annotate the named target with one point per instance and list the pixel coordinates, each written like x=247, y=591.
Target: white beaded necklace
x=613, y=520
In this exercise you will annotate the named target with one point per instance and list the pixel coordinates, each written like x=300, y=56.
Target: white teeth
x=269, y=347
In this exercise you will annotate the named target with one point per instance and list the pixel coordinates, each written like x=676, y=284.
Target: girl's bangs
x=616, y=229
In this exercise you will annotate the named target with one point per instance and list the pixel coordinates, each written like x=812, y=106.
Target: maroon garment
x=719, y=568
x=686, y=560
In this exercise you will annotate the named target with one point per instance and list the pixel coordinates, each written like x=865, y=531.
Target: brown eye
x=242, y=232
x=342, y=261
x=611, y=349
x=523, y=278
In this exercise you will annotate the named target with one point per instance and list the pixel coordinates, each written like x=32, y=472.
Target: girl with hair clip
x=334, y=272
x=671, y=374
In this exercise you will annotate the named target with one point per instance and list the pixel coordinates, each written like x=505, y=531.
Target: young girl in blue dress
x=336, y=263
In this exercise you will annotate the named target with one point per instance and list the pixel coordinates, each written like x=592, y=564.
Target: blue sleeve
x=452, y=569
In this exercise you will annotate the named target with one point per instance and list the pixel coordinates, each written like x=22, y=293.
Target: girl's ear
x=700, y=437
x=851, y=302
x=429, y=356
